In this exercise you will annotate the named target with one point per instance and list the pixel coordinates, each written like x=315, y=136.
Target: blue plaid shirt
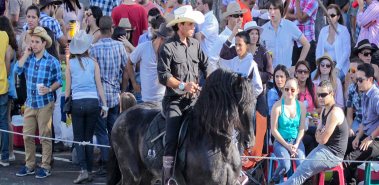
x=47, y=71
x=50, y=22
x=106, y=5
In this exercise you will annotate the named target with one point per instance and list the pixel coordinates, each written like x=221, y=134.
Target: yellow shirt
x=4, y=42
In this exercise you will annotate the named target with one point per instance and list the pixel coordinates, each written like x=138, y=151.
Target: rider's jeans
x=173, y=110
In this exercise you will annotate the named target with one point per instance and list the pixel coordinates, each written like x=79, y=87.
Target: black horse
x=226, y=102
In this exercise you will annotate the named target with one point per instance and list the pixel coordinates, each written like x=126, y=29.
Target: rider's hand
x=190, y=87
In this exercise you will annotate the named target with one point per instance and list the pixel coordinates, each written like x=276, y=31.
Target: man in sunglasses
x=365, y=145
x=332, y=135
x=364, y=51
x=233, y=15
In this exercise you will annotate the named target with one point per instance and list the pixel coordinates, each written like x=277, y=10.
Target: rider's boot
x=168, y=165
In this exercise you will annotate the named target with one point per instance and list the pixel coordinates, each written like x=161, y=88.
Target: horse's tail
x=113, y=170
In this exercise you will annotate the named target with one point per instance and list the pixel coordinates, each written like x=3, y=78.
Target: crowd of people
x=317, y=91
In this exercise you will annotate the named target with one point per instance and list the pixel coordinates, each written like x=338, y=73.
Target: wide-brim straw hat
x=80, y=42
x=325, y=56
x=186, y=14
x=125, y=23
x=163, y=31
x=40, y=32
x=363, y=44
x=232, y=9
x=252, y=25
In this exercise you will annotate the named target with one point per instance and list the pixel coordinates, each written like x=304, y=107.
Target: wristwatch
x=181, y=86
x=371, y=137
x=50, y=89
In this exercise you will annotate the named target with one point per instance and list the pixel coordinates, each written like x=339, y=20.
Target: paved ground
x=63, y=171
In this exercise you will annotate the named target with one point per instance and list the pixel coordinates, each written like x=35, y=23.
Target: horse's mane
x=217, y=107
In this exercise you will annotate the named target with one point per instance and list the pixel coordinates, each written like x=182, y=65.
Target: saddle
x=153, y=148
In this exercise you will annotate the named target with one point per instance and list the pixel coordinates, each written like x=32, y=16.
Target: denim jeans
x=355, y=125
x=4, y=126
x=84, y=117
x=309, y=168
x=285, y=165
x=103, y=126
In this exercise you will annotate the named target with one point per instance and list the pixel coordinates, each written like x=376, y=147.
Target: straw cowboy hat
x=232, y=9
x=163, y=32
x=363, y=44
x=43, y=3
x=81, y=42
x=40, y=32
x=252, y=25
x=325, y=56
x=125, y=23
x=186, y=14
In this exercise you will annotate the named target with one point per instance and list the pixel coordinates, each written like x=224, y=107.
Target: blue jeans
x=285, y=165
x=355, y=125
x=84, y=117
x=103, y=125
x=346, y=19
x=4, y=126
x=309, y=168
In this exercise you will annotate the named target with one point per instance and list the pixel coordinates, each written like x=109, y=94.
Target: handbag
x=68, y=105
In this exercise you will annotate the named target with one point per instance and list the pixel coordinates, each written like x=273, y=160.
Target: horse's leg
x=147, y=178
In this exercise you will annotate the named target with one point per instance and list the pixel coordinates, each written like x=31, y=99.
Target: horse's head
x=226, y=101
x=244, y=95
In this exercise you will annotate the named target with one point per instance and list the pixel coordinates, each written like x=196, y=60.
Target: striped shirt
x=369, y=16
x=106, y=5
x=46, y=71
x=308, y=28
x=111, y=56
x=50, y=22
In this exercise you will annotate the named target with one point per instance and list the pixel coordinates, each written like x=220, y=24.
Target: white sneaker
x=4, y=163
x=12, y=158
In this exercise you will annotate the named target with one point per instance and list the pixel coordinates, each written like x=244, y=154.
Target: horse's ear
x=239, y=79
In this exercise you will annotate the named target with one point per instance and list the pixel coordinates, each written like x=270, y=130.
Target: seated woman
x=325, y=68
x=274, y=94
x=287, y=126
x=307, y=95
x=337, y=45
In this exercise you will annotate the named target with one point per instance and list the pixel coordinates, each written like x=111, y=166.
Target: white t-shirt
x=210, y=31
x=151, y=90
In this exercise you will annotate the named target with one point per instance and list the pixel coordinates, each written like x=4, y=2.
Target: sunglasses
x=333, y=15
x=237, y=15
x=326, y=65
x=304, y=72
x=288, y=89
x=360, y=80
x=88, y=14
x=366, y=54
x=351, y=70
x=322, y=95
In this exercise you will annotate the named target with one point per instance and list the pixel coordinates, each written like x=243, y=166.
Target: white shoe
x=12, y=158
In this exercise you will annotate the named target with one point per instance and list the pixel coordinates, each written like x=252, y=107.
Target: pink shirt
x=151, y=5
x=307, y=96
x=369, y=22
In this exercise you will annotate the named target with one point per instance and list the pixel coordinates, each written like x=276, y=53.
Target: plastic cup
x=39, y=86
x=72, y=24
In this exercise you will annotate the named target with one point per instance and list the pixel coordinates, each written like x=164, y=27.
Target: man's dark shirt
x=177, y=60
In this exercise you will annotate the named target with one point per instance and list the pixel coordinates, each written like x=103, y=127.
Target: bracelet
x=105, y=108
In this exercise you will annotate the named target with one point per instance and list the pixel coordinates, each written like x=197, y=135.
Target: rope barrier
x=323, y=160
x=84, y=143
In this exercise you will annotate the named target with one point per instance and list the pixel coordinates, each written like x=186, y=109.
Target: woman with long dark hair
x=32, y=19
x=91, y=22
x=274, y=94
x=10, y=59
x=83, y=79
x=71, y=10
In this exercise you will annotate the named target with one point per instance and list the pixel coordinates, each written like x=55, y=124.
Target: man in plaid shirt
x=111, y=57
x=106, y=5
x=303, y=14
x=43, y=76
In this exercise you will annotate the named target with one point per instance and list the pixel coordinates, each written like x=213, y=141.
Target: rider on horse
x=179, y=60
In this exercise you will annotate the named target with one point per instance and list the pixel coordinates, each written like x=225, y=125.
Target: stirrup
x=172, y=179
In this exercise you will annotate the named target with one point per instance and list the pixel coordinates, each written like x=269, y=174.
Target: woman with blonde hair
x=325, y=68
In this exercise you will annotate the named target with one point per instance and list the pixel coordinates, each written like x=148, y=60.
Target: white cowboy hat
x=81, y=42
x=186, y=14
x=233, y=8
x=252, y=25
x=125, y=23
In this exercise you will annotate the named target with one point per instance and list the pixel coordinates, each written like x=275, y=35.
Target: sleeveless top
x=67, y=16
x=337, y=142
x=289, y=127
x=83, y=81
x=12, y=88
